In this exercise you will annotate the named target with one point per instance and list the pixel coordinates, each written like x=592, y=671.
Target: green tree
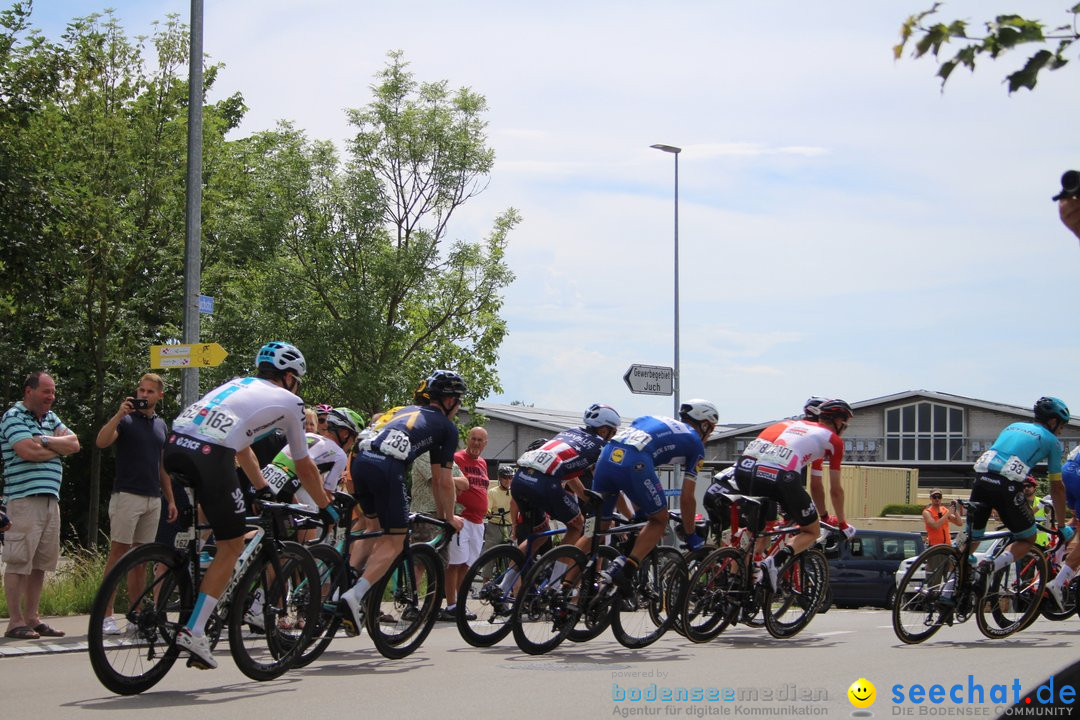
x=1003, y=33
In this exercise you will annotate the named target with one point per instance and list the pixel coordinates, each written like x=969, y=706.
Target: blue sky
x=845, y=228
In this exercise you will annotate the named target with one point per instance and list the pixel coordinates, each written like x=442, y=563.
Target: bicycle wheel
x=546, y=608
x=921, y=604
x=1013, y=596
x=592, y=623
x=692, y=558
x=152, y=597
x=642, y=618
x=331, y=567
x=487, y=590
x=801, y=584
x=713, y=596
x=402, y=605
x=1049, y=610
x=288, y=604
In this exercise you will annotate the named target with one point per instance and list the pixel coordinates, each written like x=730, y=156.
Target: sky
x=845, y=228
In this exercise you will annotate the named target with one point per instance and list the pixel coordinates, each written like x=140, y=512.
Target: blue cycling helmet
x=282, y=356
x=1050, y=407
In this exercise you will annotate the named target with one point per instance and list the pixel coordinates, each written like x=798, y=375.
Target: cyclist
x=773, y=468
x=1070, y=476
x=378, y=474
x=628, y=463
x=538, y=485
x=213, y=434
x=999, y=478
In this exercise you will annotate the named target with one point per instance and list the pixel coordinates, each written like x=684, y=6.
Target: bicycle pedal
x=349, y=627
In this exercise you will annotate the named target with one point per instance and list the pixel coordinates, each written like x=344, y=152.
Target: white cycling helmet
x=282, y=356
x=598, y=416
x=700, y=410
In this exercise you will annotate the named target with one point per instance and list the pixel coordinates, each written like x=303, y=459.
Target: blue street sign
x=206, y=304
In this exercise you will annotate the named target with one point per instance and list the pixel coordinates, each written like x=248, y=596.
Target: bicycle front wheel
x=1013, y=595
x=714, y=595
x=926, y=594
x=640, y=619
x=800, y=588
x=402, y=605
x=331, y=567
x=283, y=597
x=487, y=591
x=151, y=595
x=547, y=606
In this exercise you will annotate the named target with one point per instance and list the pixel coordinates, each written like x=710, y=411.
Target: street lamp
x=675, y=379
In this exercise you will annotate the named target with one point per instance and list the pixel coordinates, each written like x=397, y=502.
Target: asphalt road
x=807, y=676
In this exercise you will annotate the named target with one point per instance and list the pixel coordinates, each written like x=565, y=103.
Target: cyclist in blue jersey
x=628, y=464
x=538, y=485
x=378, y=474
x=1070, y=476
x=999, y=483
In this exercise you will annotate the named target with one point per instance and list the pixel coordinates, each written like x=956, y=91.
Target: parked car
x=863, y=570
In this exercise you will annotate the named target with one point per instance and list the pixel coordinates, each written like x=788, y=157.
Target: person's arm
x=442, y=487
x=1057, y=494
x=310, y=480
x=688, y=503
x=933, y=522
x=109, y=431
x=171, y=513
x=250, y=465
x=64, y=442
x=461, y=483
x=836, y=495
x=954, y=516
x=817, y=492
x=31, y=449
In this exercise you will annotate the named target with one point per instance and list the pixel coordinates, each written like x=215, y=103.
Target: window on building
x=924, y=431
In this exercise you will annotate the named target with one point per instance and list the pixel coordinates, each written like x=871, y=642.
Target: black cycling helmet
x=443, y=383
x=536, y=444
x=1050, y=407
x=834, y=408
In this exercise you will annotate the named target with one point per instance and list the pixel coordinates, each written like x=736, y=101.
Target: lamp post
x=675, y=379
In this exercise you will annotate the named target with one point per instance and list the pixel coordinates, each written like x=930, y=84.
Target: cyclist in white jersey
x=213, y=435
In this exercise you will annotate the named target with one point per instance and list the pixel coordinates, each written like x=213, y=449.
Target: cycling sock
x=507, y=583
x=1065, y=574
x=557, y=571
x=359, y=590
x=204, y=606
x=1003, y=560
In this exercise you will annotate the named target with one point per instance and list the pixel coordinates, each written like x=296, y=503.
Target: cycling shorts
x=379, y=487
x=537, y=494
x=624, y=469
x=783, y=486
x=211, y=470
x=996, y=492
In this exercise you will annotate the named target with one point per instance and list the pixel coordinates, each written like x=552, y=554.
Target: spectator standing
x=32, y=441
x=499, y=520
x=937, y=518
x=468, y=543
x=141, y=480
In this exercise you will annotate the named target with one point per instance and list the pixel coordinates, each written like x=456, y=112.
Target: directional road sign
x=650, y=380
x=187, y=356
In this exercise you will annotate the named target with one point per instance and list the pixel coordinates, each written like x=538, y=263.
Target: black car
x=863, y=569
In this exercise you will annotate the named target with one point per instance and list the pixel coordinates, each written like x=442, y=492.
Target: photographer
x=141, y=481
x=1068, y=201
x=937, y=518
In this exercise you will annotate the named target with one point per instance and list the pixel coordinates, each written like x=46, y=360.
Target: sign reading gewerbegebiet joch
x=650, y=380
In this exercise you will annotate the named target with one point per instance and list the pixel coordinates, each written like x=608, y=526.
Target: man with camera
x=937, y=518
x=141, y=480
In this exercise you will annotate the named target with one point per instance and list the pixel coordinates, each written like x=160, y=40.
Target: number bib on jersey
x=633, y=437
x=211, y=421
x=395, y=444
x=543, y=461
x=1012, y=469
x=276, y=477
x=771, y=453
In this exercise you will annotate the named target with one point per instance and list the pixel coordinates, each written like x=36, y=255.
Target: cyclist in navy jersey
x=214, y=434
x=378, y=474
x=628, y=464
x=538, y=486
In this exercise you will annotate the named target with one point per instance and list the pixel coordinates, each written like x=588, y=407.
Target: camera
x=1070, y=185
x=139, y=403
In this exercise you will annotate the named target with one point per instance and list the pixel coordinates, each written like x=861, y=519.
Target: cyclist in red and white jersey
x=214, y=434
x=773, y=468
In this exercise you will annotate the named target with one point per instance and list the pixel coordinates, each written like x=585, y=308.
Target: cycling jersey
x=772, y=432
x=537, y=485
x=795, y=445
x=1070, y=475
x=243, y=410
x=628, y=462
x=280, y=474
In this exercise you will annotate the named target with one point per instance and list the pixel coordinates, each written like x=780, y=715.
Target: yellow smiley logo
x=862, y=693
x=617, y=455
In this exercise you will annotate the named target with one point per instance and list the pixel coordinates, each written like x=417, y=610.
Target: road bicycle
x=725, y=587
x=153, y=589
x=942, y=588
x=400, y=608
x=567, y=587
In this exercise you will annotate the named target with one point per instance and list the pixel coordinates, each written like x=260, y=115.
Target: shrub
x=901, y=509
x=71, y=589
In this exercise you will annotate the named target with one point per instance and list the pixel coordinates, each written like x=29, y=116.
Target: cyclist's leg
x=1016, y=513
x=647, y=494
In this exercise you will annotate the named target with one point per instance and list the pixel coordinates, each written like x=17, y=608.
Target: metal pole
x=189, y=390
x=675, y=379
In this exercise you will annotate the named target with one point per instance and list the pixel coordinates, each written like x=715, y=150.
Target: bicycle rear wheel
x=547, y=606
x=922, y=604
x=1012, y=597
x=152, y=597
x=487, y=590
x=714, y=595
x=330, y=566
x=646, y=614
x=286, y=602
x=402, y=605
x=801, y=584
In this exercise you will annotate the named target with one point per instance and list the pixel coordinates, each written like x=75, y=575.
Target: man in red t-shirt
x=469, y=541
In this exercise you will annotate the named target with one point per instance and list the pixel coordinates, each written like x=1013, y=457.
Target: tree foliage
x=1000, y=35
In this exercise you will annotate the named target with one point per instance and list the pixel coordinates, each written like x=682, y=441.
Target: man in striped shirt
x=32, y=441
